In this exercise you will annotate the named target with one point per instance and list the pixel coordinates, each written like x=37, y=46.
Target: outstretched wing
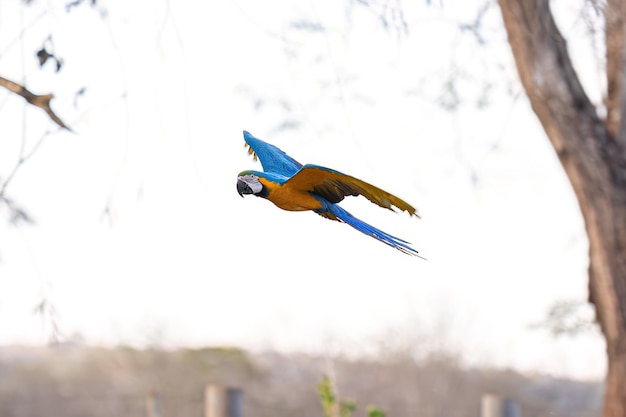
x=334, y=186
x=273, y=159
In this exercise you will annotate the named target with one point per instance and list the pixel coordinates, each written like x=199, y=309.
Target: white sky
x=183, y=259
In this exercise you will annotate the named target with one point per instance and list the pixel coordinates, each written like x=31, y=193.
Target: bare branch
x=16, y=214
x=22, y=159
x=567, y=318
x=41, y=101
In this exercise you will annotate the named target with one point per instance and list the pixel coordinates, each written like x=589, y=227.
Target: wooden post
x=153, y=404
x=490, y=406
x=223, y=402
x=511, y=408
x=494, y=406
x=234, y=402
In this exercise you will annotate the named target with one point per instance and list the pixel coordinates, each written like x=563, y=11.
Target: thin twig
x=21, y=160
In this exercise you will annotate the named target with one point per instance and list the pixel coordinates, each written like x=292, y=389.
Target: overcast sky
x=140, y=235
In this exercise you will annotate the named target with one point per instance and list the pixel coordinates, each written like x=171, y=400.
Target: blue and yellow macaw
x=296, y=187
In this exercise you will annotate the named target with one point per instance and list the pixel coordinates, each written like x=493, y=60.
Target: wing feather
x=334, y=186
x=273, y=159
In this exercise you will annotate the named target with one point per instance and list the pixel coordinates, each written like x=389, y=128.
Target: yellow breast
x=289, y=199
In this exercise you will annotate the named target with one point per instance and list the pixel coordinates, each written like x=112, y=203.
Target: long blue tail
x=361, y=226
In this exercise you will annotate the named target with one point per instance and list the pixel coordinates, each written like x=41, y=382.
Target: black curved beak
x=243, y=188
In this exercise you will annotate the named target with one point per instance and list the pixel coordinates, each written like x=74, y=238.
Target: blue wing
x=273, y=159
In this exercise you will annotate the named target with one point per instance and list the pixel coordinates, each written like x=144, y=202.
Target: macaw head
x=248, y=183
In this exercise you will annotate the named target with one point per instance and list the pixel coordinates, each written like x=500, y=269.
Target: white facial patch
x=253, y=182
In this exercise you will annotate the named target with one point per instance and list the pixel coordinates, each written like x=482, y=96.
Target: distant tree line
x=97, y=382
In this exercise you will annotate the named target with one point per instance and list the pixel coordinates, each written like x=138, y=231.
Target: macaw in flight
x=296, y=187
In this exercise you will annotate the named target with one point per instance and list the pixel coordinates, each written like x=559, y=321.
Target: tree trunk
x=593, y=154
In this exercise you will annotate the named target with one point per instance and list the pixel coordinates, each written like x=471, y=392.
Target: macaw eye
x=249, y=178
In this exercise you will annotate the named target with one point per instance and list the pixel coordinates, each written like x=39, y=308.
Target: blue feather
x=361, y=226
x=273, y=159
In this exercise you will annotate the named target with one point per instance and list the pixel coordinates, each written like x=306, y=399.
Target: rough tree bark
x=592, y=151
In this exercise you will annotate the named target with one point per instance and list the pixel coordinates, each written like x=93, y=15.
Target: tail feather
x=345, y=217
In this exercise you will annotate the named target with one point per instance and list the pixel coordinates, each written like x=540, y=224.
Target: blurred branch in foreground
x=41, y=101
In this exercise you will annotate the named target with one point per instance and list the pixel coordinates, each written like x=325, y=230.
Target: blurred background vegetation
x=74, y=381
